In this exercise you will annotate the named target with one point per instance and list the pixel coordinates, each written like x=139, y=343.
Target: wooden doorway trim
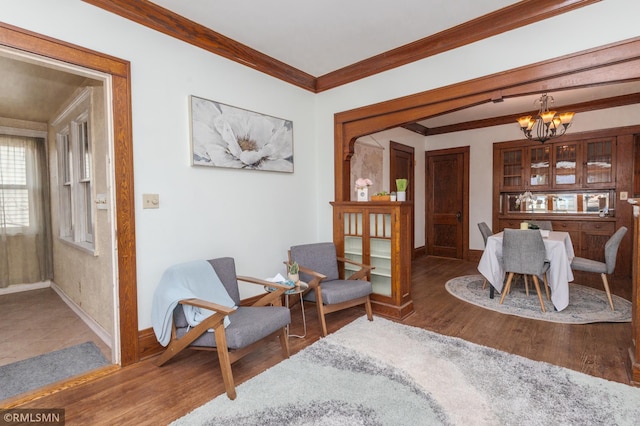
x=462, y=155
x=404, y=153
x=20, y=39
x=617, y=62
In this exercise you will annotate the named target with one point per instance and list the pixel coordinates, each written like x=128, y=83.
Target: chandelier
x=547, y=124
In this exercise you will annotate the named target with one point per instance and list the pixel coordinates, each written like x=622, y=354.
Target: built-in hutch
x=378, y=234
x=574, y=183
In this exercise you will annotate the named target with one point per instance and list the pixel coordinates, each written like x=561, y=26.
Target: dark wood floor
x=144, y=394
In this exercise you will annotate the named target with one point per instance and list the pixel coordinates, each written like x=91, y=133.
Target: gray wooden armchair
x=319, y=268
x=249, y=326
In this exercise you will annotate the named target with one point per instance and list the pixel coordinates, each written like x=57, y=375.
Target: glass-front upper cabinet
x=566, y=165
x=540, y=166
x=599, y=161
x=512, y=162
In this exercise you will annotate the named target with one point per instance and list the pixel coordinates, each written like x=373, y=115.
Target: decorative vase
x=294, y=277
x=363, y=194
x=401, y=195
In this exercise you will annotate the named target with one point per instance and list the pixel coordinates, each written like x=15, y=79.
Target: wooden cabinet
x=583, y=164
x=377, y=234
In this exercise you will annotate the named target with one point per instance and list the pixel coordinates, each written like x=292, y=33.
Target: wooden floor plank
x=143, y=394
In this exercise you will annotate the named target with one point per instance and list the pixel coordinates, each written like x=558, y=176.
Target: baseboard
x=17, y=288
x=91, y=323
x=474, y=255
x=148, y=344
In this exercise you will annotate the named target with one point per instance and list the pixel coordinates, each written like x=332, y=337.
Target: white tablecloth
x=559, y=254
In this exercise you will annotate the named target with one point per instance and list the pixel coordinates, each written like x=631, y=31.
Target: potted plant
x=293, y=270
x=381, y=196
x=362, y=188
x=401, y=187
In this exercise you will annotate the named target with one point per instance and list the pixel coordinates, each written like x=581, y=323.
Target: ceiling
x=332, y=35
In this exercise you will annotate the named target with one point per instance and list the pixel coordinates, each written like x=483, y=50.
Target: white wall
x=481, y=156
x=206, y=212
x=548, y=39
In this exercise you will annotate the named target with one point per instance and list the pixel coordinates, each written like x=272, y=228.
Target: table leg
x=304, y=319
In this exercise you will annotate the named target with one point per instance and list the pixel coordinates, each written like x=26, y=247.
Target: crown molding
x=517, y=15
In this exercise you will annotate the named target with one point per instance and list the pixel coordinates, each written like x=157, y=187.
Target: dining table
x=559, y=254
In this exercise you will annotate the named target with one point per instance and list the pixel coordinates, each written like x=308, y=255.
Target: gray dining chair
x=603, y=268
x=523, y=252
x=542, y=224
x=486, y=232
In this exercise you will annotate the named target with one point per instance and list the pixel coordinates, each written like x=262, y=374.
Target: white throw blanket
x=196, y=279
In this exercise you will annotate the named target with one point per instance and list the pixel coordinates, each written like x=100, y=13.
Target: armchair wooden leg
x=367, y=308
x=606, y=289
x=284, y=342
x=225, y=362
x=323, y=323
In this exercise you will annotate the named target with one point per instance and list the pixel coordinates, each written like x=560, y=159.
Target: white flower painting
x=226, y=136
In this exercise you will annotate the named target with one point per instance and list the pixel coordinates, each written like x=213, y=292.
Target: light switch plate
x=624, y=195
x=150, y=201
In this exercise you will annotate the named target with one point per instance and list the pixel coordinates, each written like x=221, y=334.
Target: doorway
x=67, y=103
x=402, y=166
x=119, y=129
x=447, y=202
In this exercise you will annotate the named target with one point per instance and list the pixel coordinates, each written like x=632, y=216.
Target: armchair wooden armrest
x=360, y=274
x=317, y=277
x=199, y=303
x=271, y=298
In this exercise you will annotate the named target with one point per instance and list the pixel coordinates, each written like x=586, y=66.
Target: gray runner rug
x=586, y=304
x=385, y=373
x=33, y=373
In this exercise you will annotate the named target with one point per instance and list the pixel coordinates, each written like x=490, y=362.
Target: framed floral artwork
x=227, y=136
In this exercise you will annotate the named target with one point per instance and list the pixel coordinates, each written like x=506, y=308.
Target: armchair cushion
x=338, y=291
x=248, y=325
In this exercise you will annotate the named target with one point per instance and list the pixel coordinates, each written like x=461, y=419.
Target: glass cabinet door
x=380, y=252
x=599, y=161
x=539, y=166
x=512, y=168
x=353, y=248
x=566, y=165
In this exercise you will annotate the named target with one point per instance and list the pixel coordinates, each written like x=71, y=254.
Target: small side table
x=299, y=289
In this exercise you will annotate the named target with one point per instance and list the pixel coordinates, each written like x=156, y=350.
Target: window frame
x=76, y=212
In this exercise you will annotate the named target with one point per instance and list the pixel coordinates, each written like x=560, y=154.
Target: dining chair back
x=603, y=268
x=523, y=252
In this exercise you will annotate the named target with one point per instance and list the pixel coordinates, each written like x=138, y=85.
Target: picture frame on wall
x=227, y=136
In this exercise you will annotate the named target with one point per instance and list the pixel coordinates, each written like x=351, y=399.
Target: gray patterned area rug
x=385, y=373
x=586, y=304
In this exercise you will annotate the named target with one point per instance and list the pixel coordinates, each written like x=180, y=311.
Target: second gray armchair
x=319, y=268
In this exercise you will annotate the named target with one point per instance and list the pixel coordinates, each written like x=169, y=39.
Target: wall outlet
x=624, y=195
x=150, y=201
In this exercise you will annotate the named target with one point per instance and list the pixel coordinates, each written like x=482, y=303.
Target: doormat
x=33, y=373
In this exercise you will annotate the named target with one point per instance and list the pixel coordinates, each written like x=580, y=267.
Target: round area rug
x=586, y=304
